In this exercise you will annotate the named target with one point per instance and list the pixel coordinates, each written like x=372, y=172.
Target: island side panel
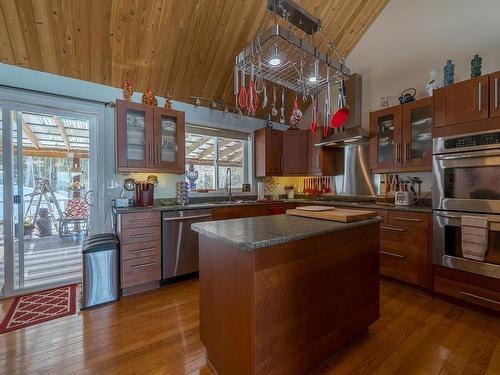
x=312, y=296
x=226, y=277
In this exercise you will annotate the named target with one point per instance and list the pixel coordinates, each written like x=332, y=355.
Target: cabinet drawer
x=140, y=235
x=410, y=219
x=140, y=271
x=141, y=249
x=404, y=254
x=140, y=220
x=467, y=292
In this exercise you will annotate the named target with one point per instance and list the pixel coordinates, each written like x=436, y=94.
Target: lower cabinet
x=476, y=289
x=224, y=213
x=405, y=247
x=140, y=250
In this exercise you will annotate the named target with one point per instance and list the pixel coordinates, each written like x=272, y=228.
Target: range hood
x=353, y=132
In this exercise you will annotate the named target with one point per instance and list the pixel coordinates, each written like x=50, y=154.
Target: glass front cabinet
x=148, y=139
x=401, y=137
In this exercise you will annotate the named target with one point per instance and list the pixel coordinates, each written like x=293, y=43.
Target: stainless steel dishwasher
x=180, y=243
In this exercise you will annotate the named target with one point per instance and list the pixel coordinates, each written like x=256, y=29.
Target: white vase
x=290, y=194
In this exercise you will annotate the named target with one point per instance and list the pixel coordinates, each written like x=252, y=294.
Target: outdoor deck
x=49, y=260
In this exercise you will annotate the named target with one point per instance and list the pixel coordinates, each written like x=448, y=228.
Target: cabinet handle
x=480, y=298
x=496, y=93
x=143, y=265
x=407, y=219
x=393, y=229
x=480, y=96
x=158, y=155
x=392, y=254
x=397, y=153
x=141, y=235
x=141, y=250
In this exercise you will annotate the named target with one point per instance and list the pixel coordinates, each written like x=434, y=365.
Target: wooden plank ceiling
x=183, y=48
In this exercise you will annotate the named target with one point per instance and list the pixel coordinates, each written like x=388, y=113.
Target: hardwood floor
x=157, y=333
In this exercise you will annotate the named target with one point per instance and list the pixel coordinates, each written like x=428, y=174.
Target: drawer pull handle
x=140, y=219
x=143, y=265
x=481, y=298
x=392, y=254
x=141, y=250
x=393, y=229
x=408, y=219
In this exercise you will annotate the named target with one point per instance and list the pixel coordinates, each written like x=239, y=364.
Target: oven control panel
x=472, y=141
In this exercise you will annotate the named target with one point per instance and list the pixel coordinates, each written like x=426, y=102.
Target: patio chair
x=75, y=219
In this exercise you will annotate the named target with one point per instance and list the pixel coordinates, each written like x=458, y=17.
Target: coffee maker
x=144, y=193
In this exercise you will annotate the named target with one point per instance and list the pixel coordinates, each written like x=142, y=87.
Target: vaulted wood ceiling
x=185, y=48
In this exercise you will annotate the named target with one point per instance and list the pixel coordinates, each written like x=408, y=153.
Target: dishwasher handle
x=181, y=218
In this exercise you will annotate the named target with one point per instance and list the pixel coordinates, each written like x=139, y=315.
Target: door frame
x=28, y=101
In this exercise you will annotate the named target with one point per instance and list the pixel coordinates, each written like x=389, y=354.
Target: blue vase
x=449, y=73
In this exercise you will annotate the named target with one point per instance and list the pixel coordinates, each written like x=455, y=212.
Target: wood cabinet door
x=134, y=136
x=295, y=150
x=169, y=139
x=385, y=139
x=417, y=134
x=324, y=161
x=461, y=102
x=495, y=94
x=268, y=148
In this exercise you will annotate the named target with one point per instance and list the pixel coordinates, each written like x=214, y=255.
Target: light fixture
x=275, y=58
x=313, y=78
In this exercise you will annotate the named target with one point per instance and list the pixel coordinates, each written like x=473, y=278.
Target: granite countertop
x=258, y=232
x=194, y=206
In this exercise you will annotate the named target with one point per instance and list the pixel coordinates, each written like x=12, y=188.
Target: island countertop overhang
x=254, y=233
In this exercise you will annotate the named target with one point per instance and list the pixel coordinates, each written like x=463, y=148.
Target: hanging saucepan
x=340, y=117
x=407, y=96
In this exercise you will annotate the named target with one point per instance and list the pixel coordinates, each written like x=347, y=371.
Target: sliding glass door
x=47, y=180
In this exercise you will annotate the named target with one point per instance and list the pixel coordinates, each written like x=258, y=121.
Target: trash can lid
x=104, y=245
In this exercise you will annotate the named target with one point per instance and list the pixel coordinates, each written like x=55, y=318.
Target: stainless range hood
x=353, y=133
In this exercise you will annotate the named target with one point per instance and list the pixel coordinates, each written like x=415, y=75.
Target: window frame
x=247, y=160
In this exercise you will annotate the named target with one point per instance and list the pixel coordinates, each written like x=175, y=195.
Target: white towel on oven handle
x=474, y=237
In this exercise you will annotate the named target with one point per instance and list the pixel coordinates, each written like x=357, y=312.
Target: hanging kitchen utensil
x=282, y=109
x=264, y=100
x=236, y=110
x=314, y=123
x=242, y=98
x=259, y=82
x=274, y=111
x=252, y=97
x=342, y=114
x=326, y=126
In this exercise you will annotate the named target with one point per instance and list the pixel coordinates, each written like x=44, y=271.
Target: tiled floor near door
x=157, y=332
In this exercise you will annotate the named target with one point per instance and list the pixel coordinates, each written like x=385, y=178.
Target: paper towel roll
x=260, y=190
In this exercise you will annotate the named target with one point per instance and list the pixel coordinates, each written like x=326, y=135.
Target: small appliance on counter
x=144, y=194
x=404, y=198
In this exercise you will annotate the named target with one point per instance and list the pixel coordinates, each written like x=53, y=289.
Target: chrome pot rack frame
x=299, y=60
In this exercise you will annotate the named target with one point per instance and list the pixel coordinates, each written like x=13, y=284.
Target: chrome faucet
x=228, y=185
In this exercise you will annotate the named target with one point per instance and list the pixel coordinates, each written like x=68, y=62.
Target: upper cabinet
x=462, y=102
x=149, y=139
x=467, y=107
x=401, y=137
x=295, y=152
x=268, y=148
x=323, y=160
x=494, y=94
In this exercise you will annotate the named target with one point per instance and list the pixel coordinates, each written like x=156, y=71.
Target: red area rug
x=40, y=307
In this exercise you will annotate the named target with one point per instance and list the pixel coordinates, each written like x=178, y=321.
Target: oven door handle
x=460, y=217
x=469, y=155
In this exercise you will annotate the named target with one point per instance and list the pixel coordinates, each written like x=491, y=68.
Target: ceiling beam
x=230, y=150
x=64, y=135
x=31, y=136
x=195, y=145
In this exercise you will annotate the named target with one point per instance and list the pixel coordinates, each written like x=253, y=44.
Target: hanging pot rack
x=300, y=59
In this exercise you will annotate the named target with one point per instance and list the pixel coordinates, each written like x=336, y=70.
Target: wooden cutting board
x=338, y=214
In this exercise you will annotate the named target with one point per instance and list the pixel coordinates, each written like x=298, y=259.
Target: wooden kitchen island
x=280, y=294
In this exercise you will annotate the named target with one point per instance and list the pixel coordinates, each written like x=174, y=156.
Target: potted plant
x=290, y=191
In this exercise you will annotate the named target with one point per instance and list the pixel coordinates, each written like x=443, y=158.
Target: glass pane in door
x=385, y=138
x=168, y=139
x=2, y=230
x=51, y=214
x=136, y=135
x=421, y=132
